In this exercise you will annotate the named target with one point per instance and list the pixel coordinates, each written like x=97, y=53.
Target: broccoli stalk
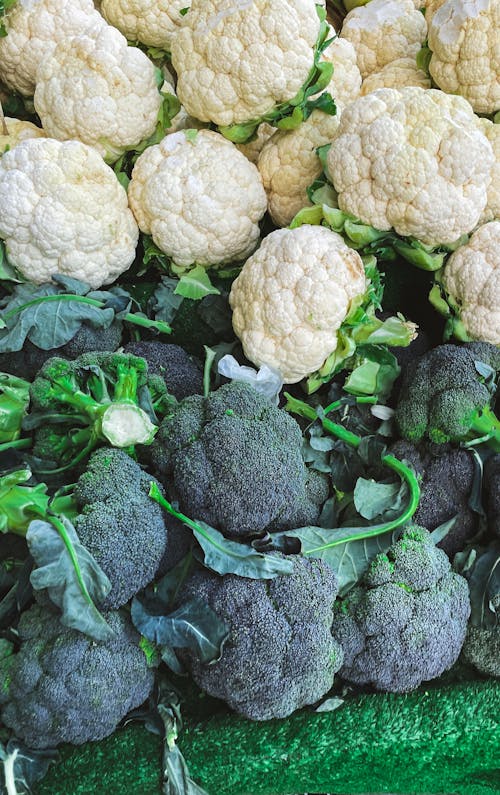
x=405, y=473
x=483, y=425
x=20, y=504
x=14, y=400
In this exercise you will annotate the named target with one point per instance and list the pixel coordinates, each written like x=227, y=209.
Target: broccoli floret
x=446, y=397
x=27, y=362
x=62, y=686
x=405, y=622
x=182, y=373
x=447, y=478
x=235, y=461
x=280, y=654
x=97, y=398
x=482, y=649
x=122, y=527
x=492, y=493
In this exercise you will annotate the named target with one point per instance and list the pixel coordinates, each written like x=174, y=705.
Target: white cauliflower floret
x=18, y=130
x=492, y=133
x=237, y=59
x=464, y=36
x=34, y=27
x=62, y=210
x=152, y=22
x=198, y=197
x=400, y=73
x=100, y=91
x=288, y=162
x=471, y=276
x=412, y=160
x=382, y=31
x=292, y=296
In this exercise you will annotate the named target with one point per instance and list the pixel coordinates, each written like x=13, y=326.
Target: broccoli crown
x=235, y=461
x=406, y=622
x=181, y=372
x=482, y=649
x=447, y=478
x=27, y=362
x=445, y=398
x=280, y=654
x=121, y=526
x=492, y=492
x=66, y=687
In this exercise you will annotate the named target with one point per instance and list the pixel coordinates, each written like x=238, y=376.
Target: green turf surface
x=442, y=740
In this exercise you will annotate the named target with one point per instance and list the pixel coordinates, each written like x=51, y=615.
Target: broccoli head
x=492, y=493
x=62, y=686
x=405, y=622
x=182, y=373
x=446, y=395
x=482, y=649
x=447, y=477
x=234, y=460
x=482, y=643
x=122, y=527
x=97, y=398
x=280, y=654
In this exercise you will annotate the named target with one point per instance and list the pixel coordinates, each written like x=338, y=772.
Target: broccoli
x=122, y=528
x=446, y=395
x=280, y=654
x=447, y=479
x=97, y=398
x=405, y=622
x=492, y=493
x=183, y=374
x=482, y=643
x=482, y=649
x=62, y=686
x=235, y=461
x=27, y=362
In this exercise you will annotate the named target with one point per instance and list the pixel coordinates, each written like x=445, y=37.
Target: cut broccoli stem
x=129, y=317
x=352, y=439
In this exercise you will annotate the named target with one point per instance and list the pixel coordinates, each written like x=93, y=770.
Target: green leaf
x=373, y=499
x=195, y=284
x=14, y=401
x=193, y=625
x=330, y=704
x=165, y=301
x=21, y=767
x=417, y=255
x=309, y=215
x=7, y=272
x=443, y=529
x=424, y=56
x=190, y=135
x=69, y=573
x=20, y=503
x=484, y=587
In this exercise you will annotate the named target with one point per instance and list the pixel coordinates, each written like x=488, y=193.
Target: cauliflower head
x=400, y=73
x=252, y=149
x=280, y=654
x=198, y=197
x=382, y=31
x=345, y=83
x=413, y=160
x=17, y=131
x=236, y=60
x=34, y=28
x=406, y=622
x=152, y=22
x=471, y=276
x=288, y=164
x=492, y=133
x=62, y=210
x=464, y=39
x=99, y=90
x=292, y=296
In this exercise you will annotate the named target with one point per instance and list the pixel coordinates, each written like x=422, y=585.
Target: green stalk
x=486, y=426
x=126, y=384
x=157, y=496
x=18, y=444
x=129, y=317
x=353, y=440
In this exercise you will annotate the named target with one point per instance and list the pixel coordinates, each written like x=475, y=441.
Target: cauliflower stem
x=289, y=115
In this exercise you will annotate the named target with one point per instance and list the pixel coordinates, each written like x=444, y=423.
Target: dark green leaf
x=232, y=557
x=442, y=530
x=374, y=499
x=73, y=579
x=21, y=767
x=484, y=586
x=166, y=301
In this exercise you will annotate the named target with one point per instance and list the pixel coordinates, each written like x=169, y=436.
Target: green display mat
x=444, y=739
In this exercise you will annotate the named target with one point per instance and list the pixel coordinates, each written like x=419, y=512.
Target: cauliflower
x=292, y=296
x=382, y=31
x=151, y=22
x=199, y=198
x=62, y=210
x=34, y=28
x=413, y=160
x=17, y=130
x=236, y=60
x=288, y=162
x=471, y=276
x=100, y=91
x=253, y=148
x=400, y=73
x=492, y=133
x=463, y=37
